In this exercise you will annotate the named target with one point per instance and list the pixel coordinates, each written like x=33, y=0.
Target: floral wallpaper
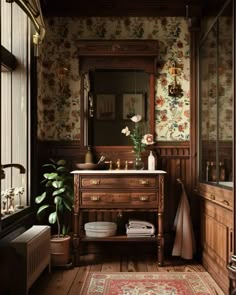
x=59, y=87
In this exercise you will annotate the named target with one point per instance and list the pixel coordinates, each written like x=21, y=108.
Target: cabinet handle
x=212, y=197
x=143, y=181
x=225, y=202
x=143, y=198
x=94, y=198
x=95, y=181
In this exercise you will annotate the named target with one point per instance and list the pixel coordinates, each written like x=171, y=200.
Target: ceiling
x=119, y=8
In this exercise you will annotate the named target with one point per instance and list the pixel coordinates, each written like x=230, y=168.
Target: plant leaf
x=40, y=198
x=57, y=183
x=52, y=218
x=61, y=169
x=50, y=165
x=41, y=209
x=61, y=163
x=49, y=176
x=59, y=191
x=57, y=200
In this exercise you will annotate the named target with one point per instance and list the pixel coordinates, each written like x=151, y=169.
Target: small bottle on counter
x=151, y=161
x=89, y=155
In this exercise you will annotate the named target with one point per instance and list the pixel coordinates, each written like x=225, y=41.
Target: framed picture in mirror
x=134, y=104
x=105, y=106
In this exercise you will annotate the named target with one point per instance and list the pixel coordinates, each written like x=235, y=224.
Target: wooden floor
x=69, y=281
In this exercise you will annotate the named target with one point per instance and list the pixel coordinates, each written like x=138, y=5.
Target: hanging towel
x=184, y=244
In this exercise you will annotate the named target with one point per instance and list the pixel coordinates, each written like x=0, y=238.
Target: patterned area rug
x=147, y=283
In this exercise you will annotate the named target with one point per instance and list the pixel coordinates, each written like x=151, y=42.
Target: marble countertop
x=118, y=171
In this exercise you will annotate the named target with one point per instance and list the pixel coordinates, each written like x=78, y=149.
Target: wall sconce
x=174, y=89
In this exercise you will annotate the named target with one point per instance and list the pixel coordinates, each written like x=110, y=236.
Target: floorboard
x=68, y=282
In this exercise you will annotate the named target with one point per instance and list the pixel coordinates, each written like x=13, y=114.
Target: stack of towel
x=139, y=228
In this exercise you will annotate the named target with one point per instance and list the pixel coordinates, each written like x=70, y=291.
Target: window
x=15, y=111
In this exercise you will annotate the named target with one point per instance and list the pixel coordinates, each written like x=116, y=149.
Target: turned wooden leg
x=160, y=240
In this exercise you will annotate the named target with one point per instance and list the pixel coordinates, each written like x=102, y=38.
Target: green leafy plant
x=57, y=198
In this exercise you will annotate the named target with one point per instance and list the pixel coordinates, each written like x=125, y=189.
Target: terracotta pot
x=60, y=250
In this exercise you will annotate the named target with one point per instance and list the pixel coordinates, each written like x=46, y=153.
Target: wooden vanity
x=119, y=191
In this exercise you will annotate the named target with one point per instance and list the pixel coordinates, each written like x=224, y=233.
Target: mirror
x=117, y=82
x=117, y=96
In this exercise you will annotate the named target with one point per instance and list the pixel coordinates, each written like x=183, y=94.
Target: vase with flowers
x=140, y=140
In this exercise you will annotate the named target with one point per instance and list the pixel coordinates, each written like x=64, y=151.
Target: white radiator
x=34, y=247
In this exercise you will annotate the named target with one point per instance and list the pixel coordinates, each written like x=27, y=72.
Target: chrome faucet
x=14, y=165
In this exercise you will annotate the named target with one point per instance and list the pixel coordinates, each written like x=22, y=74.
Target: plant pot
x=60, y=250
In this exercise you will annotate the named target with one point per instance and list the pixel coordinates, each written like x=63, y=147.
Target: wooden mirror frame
x=117, y=55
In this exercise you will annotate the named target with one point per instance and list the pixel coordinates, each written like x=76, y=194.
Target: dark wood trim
x=113, y=48
x=194, y=28
x=118, y=54
x=122, y=8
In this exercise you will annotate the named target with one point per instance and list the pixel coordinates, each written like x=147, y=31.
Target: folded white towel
x=139, y=230
x=140, y=226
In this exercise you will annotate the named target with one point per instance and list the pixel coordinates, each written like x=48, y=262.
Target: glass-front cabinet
x=216, y=135
x=216, y=101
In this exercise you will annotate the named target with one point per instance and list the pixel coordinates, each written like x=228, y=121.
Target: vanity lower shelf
x=120, y=238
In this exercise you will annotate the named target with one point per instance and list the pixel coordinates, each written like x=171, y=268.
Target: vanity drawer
x=123, y=181
x=116, y=200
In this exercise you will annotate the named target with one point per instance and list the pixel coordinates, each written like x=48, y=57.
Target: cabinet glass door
x=216, y=102
x=208, y=106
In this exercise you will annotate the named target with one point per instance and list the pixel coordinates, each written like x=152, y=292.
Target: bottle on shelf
x=213, y=171
x=207, y=171
x=151, y=161
x=221, y=171
x=89, y=155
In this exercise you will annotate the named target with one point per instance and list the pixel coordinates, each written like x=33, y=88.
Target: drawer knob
x=143, y=181
x=212, y=197
x=225, y=202
x=94, y=198
x=143, y=198
x=95, y=181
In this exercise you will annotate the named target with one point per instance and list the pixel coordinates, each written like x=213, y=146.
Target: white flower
x=148, y=139
x=126, y=131
x=136, y=118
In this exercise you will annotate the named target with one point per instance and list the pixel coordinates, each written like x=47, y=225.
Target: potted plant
x=57, y=201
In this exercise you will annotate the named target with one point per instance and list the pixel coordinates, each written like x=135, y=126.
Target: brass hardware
x=212, y=197
x=225, y=202
x=110, y=164
x=95, y=181
x=126, y=165
x=118, y=164
x=120, y=215
x=143, y=181
x=143, y=198
x=94, y=198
